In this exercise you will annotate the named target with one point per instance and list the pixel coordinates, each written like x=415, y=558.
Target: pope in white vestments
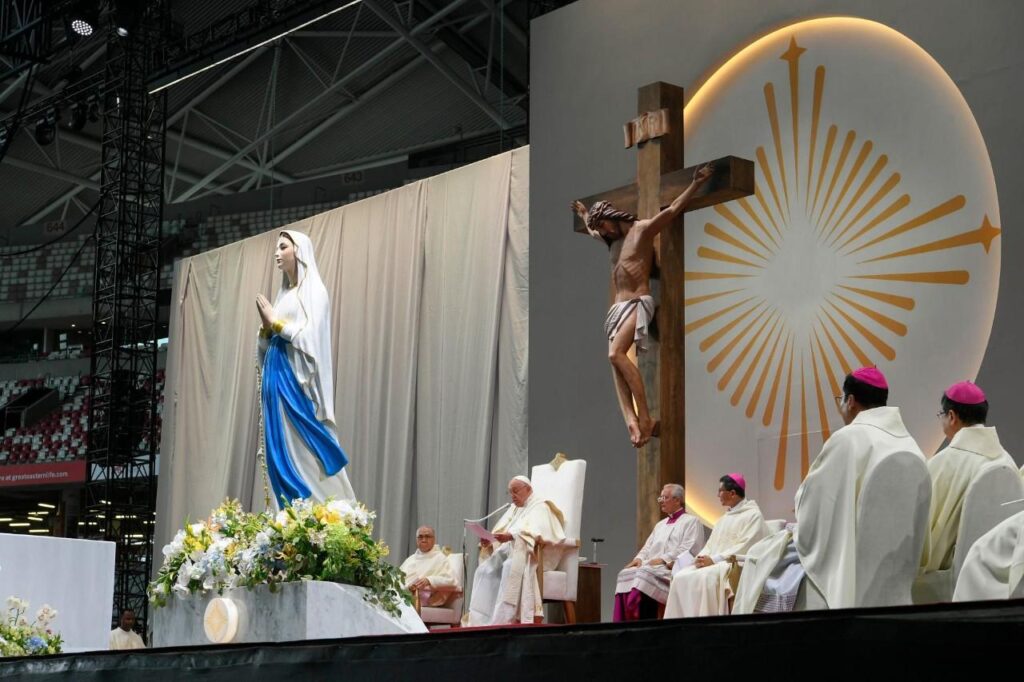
x=643, y=584
x=825, y=539
x=973, y=448
x=427, y=571
x=505, y=585
x=703, y=589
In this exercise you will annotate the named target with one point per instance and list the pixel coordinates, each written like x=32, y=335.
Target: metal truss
x=121, y=492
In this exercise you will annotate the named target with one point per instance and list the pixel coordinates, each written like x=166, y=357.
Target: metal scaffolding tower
x=121, y=492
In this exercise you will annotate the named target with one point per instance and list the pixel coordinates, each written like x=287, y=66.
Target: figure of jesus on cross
x=630, y=243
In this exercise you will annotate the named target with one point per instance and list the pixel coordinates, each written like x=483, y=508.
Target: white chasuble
x=705, y=591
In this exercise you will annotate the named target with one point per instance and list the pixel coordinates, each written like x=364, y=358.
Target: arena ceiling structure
x=360, y=84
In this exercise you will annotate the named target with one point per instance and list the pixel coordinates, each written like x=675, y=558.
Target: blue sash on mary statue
x=283, y=394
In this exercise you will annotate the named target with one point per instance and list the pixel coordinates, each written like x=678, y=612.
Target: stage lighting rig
x=46, y=126
x=83, y=17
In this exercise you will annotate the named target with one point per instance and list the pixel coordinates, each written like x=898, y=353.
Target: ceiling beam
x=55, y=173
x=290, y=119
x=447, y=71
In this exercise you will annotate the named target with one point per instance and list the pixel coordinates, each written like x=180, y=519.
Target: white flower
x=318, y=537
x=283, y=518
x=174, y=547
x=160, y=588
x=340, y=506
x=197, y=528
x=184, y=575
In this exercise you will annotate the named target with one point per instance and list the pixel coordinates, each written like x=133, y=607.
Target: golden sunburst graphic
x=817, y=235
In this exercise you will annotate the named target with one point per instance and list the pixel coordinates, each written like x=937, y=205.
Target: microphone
x=493, y=513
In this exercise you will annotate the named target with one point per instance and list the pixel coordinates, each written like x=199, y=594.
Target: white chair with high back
x=983, y=510
x=450, y=614
x=561, y=482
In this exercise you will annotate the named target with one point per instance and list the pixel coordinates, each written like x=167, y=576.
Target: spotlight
x=81, y=27
x=79, y=116
x=94, y=108
x=126, y=16
x=83, y=17
x=44, y=132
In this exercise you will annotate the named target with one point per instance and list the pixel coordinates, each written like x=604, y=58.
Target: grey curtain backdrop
x=429, y=298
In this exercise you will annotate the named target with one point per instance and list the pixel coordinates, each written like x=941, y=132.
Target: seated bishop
x=643, y=584
x=703, y=589
x=973, y=448
x=427, y=571
x=994, y=566
x=822, y=546
x=505, y=585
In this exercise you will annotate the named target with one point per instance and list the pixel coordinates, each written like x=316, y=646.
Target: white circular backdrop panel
x=873, y=239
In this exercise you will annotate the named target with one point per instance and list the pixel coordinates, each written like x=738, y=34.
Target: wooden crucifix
x=661, y=177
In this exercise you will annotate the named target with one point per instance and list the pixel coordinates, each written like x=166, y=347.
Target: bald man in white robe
x=427, y=571
x=505, y=585
x=643, y=584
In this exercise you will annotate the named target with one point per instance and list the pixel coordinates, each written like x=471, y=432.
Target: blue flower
x=35, y=643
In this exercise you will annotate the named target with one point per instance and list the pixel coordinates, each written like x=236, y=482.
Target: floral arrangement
x=331, y=541
x=18, y=637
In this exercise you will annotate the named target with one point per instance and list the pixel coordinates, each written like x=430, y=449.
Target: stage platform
x=911, y=643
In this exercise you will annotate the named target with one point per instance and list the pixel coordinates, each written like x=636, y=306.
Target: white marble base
x=297, y=611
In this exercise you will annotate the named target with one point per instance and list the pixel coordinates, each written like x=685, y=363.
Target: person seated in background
x=505, y=585
x=973, y=446
x=703, y=589
x=643, y=584
x=427, y=572
x=123, y=637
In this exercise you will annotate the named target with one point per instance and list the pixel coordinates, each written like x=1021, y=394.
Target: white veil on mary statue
x=303, y=456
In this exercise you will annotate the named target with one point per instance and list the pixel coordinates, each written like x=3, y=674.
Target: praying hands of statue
x=503, y=537
x=266, y=311
x=634, y=563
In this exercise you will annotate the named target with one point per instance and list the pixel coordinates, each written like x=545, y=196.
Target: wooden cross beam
x=661, y=177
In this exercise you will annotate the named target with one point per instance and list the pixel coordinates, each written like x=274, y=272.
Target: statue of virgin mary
x=303, y=456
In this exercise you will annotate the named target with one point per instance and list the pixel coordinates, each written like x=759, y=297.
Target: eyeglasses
x=424, y=537
x=942, y=414
x=662, y=498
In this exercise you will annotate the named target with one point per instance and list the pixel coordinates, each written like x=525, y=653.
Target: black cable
x=57, y=238
x=53, y=286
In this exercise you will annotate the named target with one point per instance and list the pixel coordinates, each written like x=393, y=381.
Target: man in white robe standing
x=824, y=542
x=124, y=637
x=505, y=585
x=973, y=448
x=643, y=584
x=703, y=589
x=427, y=572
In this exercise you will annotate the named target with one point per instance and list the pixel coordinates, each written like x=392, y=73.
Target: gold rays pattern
x=832, y=196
